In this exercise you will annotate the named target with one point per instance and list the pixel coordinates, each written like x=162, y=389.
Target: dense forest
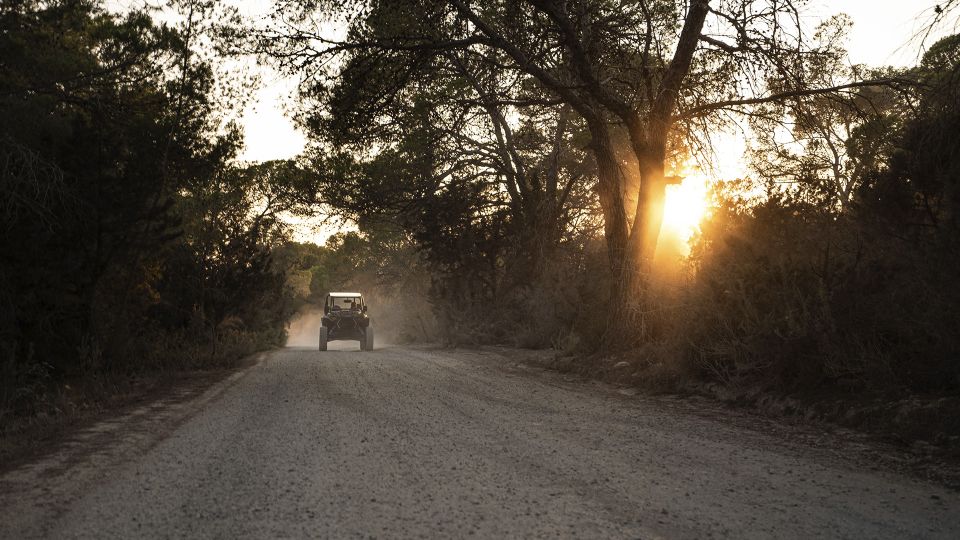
x=132, y=239
x=505, y=167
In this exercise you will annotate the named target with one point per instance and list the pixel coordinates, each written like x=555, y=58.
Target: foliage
x=131, y=241
x=656, y=77
x=505, y=164
x=795, y=293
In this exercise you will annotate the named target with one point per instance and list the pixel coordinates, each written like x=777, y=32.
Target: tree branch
x=525, y=63
x=779, y=96
x=660, y=112
x=581, y=60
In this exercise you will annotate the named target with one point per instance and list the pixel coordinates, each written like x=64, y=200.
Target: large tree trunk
x=630, y=248
x=633, y=308
x=610, y=192
x=630, y=254
x=650, y=151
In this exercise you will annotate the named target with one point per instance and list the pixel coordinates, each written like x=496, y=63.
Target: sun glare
x=685, y=206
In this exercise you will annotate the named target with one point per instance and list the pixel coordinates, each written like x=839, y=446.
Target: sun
x=684, y=208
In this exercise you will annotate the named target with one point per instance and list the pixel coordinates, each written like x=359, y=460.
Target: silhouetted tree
x=659, y=71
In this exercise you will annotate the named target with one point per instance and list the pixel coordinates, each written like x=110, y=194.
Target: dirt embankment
x=926, y=426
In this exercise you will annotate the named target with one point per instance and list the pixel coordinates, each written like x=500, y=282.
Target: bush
x=783, y=296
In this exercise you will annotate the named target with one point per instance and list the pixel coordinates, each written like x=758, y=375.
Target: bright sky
x=269, y=132
x=883, y=30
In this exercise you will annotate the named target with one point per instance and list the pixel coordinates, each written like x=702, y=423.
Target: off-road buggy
x=345, y=318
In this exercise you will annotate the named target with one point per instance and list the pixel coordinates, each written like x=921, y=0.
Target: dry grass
x=36, y=407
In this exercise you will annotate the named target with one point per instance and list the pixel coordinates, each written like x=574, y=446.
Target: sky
x=269, y=132
x=883, y=30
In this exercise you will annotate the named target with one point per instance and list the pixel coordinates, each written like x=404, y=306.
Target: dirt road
x=407, y=442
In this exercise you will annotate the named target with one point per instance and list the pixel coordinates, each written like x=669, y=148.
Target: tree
x=662, y=72
x=822, y=146
x=917, y=188
x=478, y=192
x=112, y=125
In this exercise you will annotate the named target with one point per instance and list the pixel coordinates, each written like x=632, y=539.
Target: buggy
x=345, y=318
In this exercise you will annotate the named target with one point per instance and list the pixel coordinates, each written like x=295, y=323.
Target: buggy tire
x=367, y=343
x=323, y=338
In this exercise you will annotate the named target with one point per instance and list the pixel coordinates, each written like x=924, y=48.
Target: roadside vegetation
x=524, y=151
x=134, y=244
x=506, y=166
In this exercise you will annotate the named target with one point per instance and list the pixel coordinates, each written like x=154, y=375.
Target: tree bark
x=610, y=194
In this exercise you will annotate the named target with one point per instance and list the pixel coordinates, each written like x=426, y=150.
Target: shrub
x=785, y=297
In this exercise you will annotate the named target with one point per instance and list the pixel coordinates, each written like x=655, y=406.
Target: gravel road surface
x=407, y=442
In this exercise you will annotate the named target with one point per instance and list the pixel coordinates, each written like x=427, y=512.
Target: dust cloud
x=392, y=323
x=304, y=328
